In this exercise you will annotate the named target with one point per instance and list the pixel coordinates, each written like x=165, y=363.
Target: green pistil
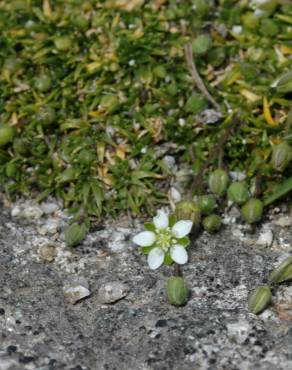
x=164, y=239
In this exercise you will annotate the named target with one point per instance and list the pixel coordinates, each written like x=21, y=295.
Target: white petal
x=182, y=228
x=161, y=220
x=145, y=238
x=179, y=254
x=155, y=258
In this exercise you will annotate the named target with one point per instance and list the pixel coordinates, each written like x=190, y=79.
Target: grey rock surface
x=40, y=330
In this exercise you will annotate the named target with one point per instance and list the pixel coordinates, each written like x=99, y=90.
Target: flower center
x=164, y=239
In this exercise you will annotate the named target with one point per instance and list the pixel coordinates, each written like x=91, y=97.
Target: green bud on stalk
x=177, y=291
x=238, y=192
x=46, y=115
x=250, y=21
x=187, y=210
x=282, y=272
x=201, y=44
x=212, y=223
x=43, y=83
x=281, y=156
x=259, y=299
x=218, y=181
x=63, y=43
x=11, y=65
x=206, y=203
x=252, y=210
x=74, y=234
x=21, y=146
x=6, y=134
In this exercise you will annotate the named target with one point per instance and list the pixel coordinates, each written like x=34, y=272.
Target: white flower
x=165, y=239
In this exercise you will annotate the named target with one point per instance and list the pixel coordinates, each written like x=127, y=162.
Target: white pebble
x=266, y=238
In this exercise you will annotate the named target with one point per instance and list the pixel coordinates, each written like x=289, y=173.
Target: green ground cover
x=93, y=94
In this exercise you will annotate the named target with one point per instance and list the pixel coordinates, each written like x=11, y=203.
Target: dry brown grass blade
x=197, y=78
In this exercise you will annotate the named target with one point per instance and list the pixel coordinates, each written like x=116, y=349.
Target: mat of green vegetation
x=93, y=94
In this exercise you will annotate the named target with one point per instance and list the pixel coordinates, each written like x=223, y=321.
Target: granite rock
x=214, y=330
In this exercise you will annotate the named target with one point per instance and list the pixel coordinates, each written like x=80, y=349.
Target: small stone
x=16, y=211
x=283, y=221
x=112, y=292
x=76, y=290
x=237, y=175
x=118, y=242
x=47, y=253
x=209, y=116
x=49, y=208
x=49, y=227
x=170, y=163
x=238, y=330
x=266, y=238
x=32, y=212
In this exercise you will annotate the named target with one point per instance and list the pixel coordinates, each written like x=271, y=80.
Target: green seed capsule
x=265, y=8
x=250, y=21
x=63, y=43
x=206, y=203
x=109, y=103
x=282, y=272
x=186, y=210
x=43, y=83
x=11, y=169
x=46, y=115
x=177, y=291
x=218, y=182
x=287, y=275
x=201, y=7
x=195, y=103
x=21, y=146
x=201, y=44
x=252, y=210
x=212, y=223
x=269, y=27
x=80, y=21
x=74, y=234
x=6, y=134
x=259, y=299
x=238, y=192
x=12, y=64
x=281, y=156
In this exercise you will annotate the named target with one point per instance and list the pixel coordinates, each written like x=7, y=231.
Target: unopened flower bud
x=259, y=299
x=187, y=210
x=281, y=156
x=238, y=192
x=218, y=182
x=177, y=291
x=212, y=223
x=252, y=210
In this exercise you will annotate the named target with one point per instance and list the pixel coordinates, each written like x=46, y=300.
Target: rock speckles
x=214, y=330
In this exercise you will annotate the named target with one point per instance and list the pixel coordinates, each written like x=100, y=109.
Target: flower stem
x=177, y=270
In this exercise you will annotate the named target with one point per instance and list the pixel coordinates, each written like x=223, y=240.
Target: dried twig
x=197, y=78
